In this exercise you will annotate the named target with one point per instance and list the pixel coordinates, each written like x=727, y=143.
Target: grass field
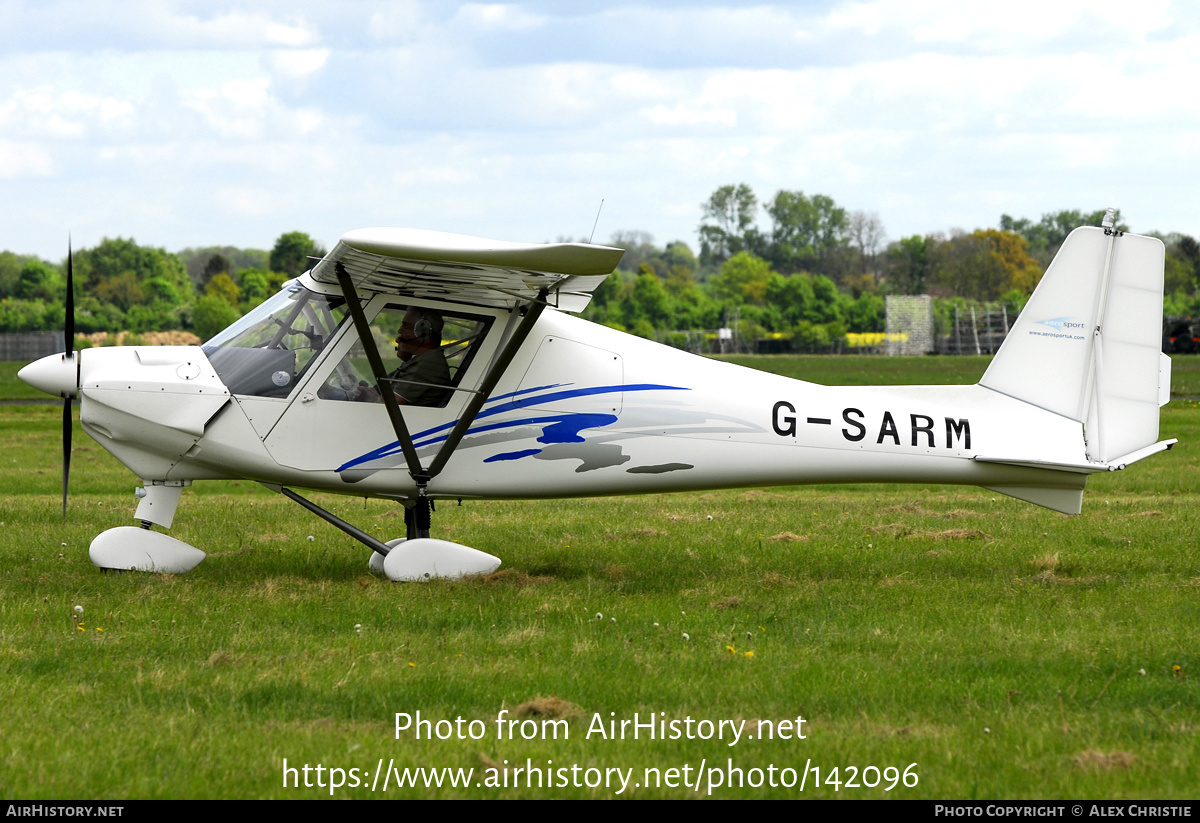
x=1005, y=650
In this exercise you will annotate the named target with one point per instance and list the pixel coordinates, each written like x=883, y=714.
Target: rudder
x=1088, y=343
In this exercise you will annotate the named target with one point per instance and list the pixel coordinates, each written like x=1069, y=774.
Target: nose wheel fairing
x=128, y=548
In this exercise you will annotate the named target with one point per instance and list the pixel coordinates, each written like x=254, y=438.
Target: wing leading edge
x=439, y=266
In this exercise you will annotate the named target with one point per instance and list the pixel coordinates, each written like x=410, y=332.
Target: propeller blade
x=69, y=323
x=66, y=450
x=69, y=340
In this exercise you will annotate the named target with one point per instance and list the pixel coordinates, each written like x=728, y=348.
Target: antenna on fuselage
x=594, y=222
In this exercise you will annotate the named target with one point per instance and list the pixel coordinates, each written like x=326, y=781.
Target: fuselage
x=582, y=410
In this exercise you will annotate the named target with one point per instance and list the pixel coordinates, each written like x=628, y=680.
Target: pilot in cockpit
x=423, y=377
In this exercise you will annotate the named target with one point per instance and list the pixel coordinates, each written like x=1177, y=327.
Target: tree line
x=810, y=272
x=818, y=270
x=121, y=286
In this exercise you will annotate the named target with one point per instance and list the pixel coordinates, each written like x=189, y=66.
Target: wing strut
x=389, y=398
x=494, y=373
x=418, y=517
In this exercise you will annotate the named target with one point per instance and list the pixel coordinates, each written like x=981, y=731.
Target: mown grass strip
x=1007, y=650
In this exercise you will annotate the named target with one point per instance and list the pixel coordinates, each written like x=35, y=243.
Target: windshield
x=265, y=353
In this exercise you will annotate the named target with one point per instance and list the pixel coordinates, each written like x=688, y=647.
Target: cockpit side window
x=425, y=353
x=266, y=352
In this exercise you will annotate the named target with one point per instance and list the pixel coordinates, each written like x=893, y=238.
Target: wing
x=439, y=266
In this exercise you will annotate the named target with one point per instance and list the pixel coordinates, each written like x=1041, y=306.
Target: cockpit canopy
x=264, y=353
x=424, y=351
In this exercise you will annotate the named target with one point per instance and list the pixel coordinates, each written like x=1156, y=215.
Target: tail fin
x=1088, y=345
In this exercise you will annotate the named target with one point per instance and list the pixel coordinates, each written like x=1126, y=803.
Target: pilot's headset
x=428, y=326
x=423, y=328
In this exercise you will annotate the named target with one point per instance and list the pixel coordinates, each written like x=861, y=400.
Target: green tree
x=10, y=272
x=114, y=259
x=907, y=263
x=866, y=313
x=806, y=232
x=793, y=295
x=161, y=290
x=122, y=290
x=92, y=316
x=1187, y=248
x=1045, y=236
x=639, y=249
x=39, y=281
x=1182, y=264
x=212, y=314
x=154, y=317
x=985, y=264
x=120, y=284
x=642, y=327
x=743, y=279
x=680, y=280
x=649, y=300
x=255, y=286
x=217, y=264
x=728, y=224
x=827, y=304
x=196, y=259
x=222, y=286
x=1177, y=274
x=677, y=254
x=18, y=315
x=291, y=252
x=694, y=309
x=609, y=291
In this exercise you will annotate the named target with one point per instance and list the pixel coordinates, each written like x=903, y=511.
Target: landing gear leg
x=129, y=548
x=418, y=558
x=418, y=518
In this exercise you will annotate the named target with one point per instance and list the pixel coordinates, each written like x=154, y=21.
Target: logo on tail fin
x=1060, y=323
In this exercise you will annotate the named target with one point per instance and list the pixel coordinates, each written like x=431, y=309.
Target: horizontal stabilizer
x=1141, y=454
x=1034, y=463
x=1083, y=468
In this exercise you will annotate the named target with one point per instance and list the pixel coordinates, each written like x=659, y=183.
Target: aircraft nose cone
x=56, y=374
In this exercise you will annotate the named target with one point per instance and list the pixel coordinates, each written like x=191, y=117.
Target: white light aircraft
x=419, y=366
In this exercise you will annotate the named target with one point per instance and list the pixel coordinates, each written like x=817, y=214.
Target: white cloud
x=1015, y=26
x=422, y=175
x=21, y=160
x=237, y=29
x=247, y=111
x=289, y=34
x=81, y=26
x=195, y=126
x=684, y=115
x=297, y=64
x=498, y=17
x=397, y=20
x=57, y=114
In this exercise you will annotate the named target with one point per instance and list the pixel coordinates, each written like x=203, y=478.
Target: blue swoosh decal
x=556, y=421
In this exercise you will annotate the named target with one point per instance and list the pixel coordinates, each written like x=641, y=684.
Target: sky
x=190, y=124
